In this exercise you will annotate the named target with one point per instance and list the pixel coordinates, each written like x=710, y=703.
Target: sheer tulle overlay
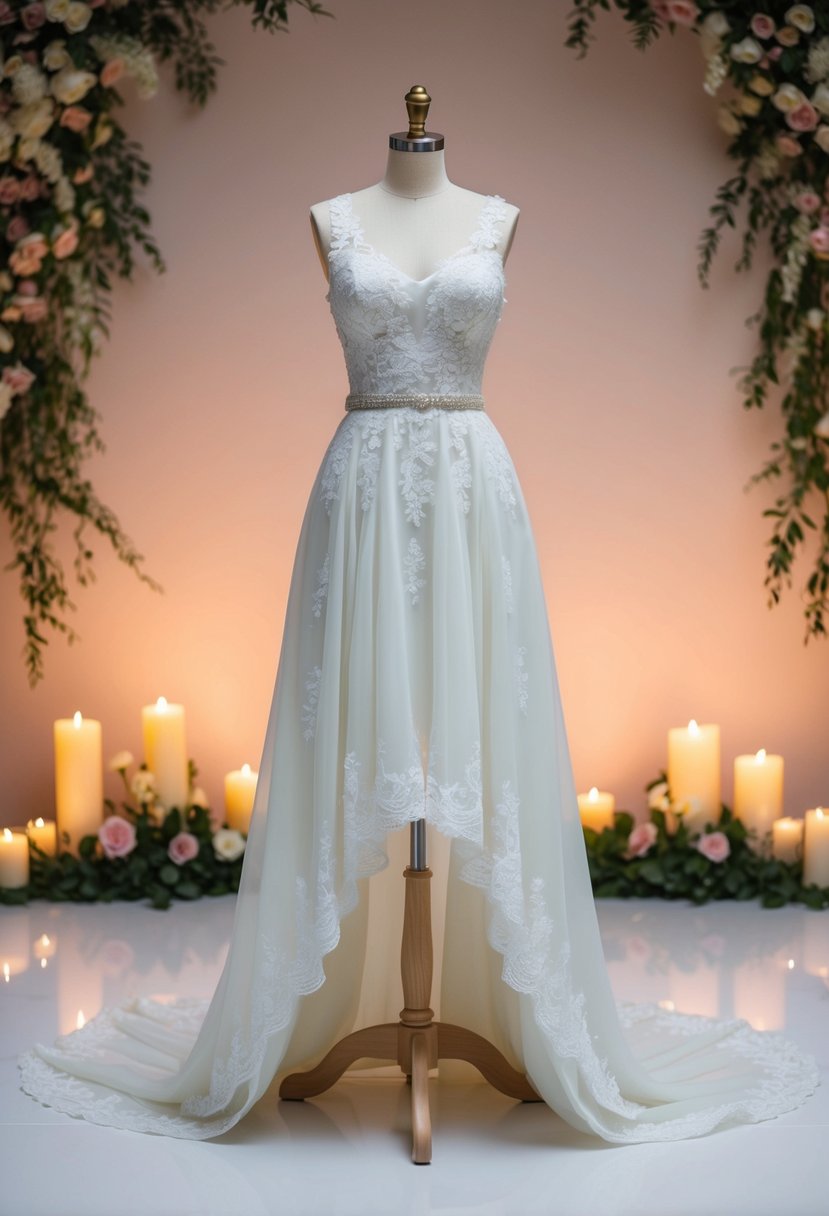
x=417, y=678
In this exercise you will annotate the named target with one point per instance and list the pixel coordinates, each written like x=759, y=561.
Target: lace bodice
x=405, y=335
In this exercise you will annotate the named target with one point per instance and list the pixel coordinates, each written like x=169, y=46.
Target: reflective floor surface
x=347, y=1152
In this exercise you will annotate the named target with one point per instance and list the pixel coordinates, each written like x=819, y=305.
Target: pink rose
x=824, y=217
x=714, y=846
x=27, y=287
x=7, y=14
x=65, y=243
x=788, y=36
x=16, y=228
x=117, y=836
x=819, y=240
x=807, y=202
x=76, y=118
x=18, y=378
x=33, y=16
x=183, y=848
x=9, y=189
x=112, y=70
x=762, y=26
x=804, y=118
x=30, y=188
x=641, y=839
x=660, y=7
x=26, y=260
x=775, y=52
x=682, y=12
x=788, y=145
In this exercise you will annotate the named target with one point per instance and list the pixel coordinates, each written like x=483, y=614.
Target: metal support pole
x=417, y=845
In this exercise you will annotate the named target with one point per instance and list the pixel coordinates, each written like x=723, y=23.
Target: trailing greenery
x=71, y=220
x=770, y=62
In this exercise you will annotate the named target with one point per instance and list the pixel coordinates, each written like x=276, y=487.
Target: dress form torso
x=415, y=216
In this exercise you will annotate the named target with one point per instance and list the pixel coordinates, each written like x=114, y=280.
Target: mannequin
x=415, y=216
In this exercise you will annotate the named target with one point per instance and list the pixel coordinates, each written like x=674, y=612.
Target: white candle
x=787, y=841
x=44, y=834
x=79, y=777
x=15, y=938
x=165, y=751
x=596, y=809
x=758, y=791
x=14, y=859
x=694, y=772
x=240, y=788
x=816, y=848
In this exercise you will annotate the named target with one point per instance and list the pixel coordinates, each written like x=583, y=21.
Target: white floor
x=347, y=1152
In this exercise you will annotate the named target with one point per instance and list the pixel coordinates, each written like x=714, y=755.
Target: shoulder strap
x=343, y=223
x=488, y=230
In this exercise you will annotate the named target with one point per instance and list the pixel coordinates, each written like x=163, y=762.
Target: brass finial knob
x=417, y=103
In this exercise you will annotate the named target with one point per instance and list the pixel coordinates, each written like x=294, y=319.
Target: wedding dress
x=416, y=678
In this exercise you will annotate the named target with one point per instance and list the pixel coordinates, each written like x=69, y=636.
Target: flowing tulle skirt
x=416, y=678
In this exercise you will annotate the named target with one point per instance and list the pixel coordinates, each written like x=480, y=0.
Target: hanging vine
x=71, y=220
x=769, y=64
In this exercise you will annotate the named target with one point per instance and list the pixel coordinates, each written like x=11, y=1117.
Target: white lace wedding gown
x=416, y=634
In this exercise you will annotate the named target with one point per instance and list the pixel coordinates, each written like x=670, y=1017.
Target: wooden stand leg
x=416, y=1042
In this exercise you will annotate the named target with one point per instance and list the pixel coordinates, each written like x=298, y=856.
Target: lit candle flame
x=666, y=1005
x=6, y=972
x=760, y=758
x=161, y=703
x=246, y=769
x=593, y=795
x=80, y=1020
x=77, y=718
x=45, y=940
x=791, y=964
x=7, y=834
x=693, y=727
x=819, y=813
x=43, y=962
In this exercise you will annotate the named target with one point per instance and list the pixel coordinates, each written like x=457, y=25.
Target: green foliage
x=793, y=323
x=95, y=183
x=674, y=868
x=145, y=873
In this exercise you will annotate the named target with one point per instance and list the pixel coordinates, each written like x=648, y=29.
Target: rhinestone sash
x=420, y=401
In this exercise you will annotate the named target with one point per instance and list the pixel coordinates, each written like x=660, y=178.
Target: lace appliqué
x=309, y=707
x=506, y=574
x=521, y=677
x=413, y=563
x=321, y=590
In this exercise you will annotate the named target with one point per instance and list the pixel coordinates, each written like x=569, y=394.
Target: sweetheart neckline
x=467, y=248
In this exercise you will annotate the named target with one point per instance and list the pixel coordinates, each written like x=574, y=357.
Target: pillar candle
x=14, y=859
x=79, y=777
x=694, y=770
x=787, y=839
x=165, y=751
x=43, y=833
x=596, y=809
x=758, y=791
x=816, y=848
x=240, y=788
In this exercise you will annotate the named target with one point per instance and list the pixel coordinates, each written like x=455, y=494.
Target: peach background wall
x=608, y=378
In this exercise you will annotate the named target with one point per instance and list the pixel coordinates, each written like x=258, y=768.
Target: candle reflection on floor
x=15, y=939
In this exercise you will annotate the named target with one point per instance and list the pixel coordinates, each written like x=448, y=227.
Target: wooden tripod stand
x=416, y=1042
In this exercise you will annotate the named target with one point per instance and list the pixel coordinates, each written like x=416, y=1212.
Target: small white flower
x=199, y=798
x=120, y=761
x=228, y=844
x=818, y=67
x=822, y=427
x=788, y=97
x=658, y=797
x=801, y=17
x=33, y=120
x=821, y=136
x=716, y=23
x=747, y=51
x=142, y=785
x=815, y=318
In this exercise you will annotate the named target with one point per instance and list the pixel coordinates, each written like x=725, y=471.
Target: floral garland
x=769, y=61
x=70, y=219
x=675, y=854
x=141, y=851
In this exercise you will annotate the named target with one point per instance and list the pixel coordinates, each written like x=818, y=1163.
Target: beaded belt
x=420, y=401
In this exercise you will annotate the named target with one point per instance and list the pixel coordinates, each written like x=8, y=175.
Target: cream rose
x=717, y=24
x=228, y=844
x=788, y=36
x=120, y=761
x=788, y=97
x=56, y=10
x=750, y=105
x=69, y=85
x=77, y=17
x=728, y=121
x=747, y=51
x=6, y=340
x=5, y=398
x=33, y=120
x=822, y=138
x=56, y=56
x=820, y=98
x=761, y=85
x=801, y=17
